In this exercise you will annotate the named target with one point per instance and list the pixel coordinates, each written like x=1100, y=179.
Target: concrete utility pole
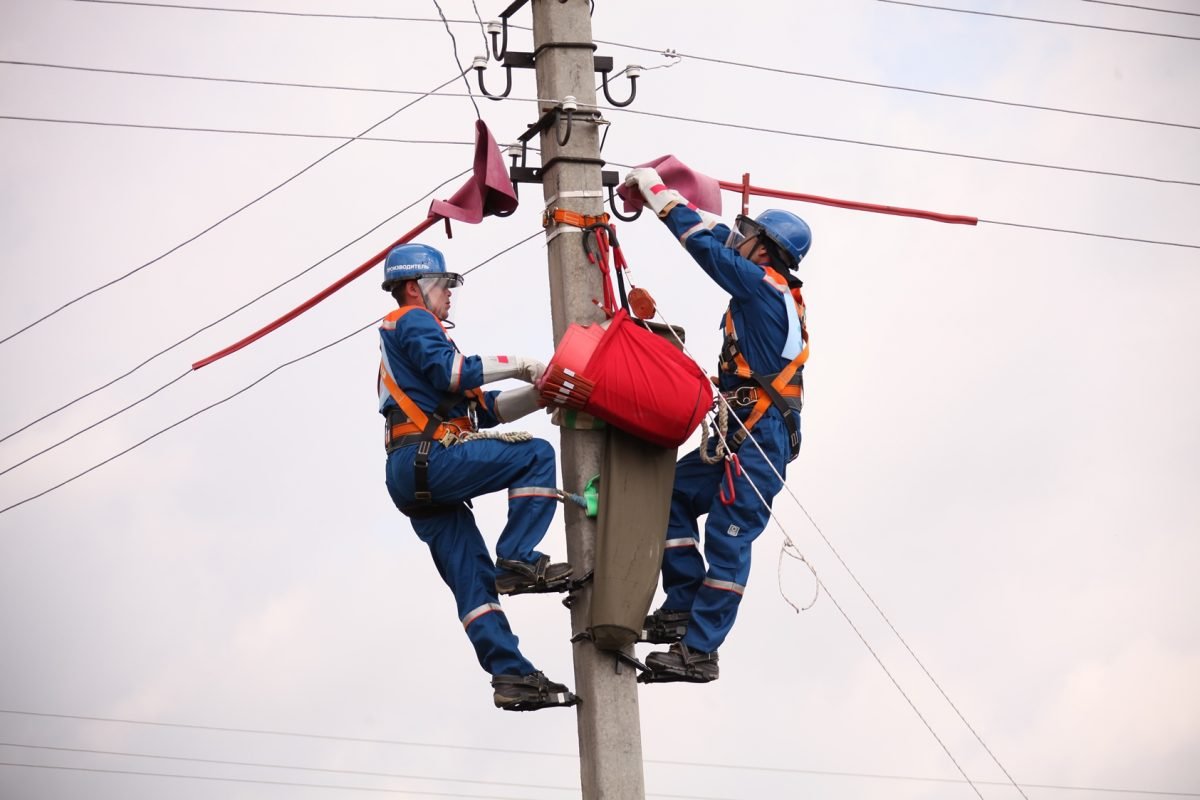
x=610, y=742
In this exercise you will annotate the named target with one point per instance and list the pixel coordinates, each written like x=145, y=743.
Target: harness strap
x=430, y=426
x=783, y=389
x=562, y=215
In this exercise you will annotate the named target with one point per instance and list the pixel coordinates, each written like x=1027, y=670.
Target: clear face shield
x=435, y=291
x=743, y=228
x=445, y=280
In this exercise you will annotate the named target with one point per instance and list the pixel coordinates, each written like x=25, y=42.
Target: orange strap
x=782, y=382
x=417, y=418
x=563, y=216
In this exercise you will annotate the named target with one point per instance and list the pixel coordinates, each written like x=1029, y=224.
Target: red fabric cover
x=699, y=189
x=487, y=191
x=645, y=386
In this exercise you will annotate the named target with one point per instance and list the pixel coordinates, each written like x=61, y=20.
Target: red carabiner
x=728, y=481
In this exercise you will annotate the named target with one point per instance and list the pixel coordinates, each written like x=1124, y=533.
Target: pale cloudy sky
x=1001, y=432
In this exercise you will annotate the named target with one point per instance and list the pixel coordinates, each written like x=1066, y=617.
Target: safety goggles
x=743, y=228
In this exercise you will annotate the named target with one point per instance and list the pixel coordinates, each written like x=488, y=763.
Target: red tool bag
x=631, y=379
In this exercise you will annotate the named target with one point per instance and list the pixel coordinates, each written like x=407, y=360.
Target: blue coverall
x=426, y=364
x=769, y=336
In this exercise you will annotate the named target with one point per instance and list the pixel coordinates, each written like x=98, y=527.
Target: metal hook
x=494, y=29
x=632, y=72
x=612, y=202
x=479, y=64
x=569, y=105
x=516, y=153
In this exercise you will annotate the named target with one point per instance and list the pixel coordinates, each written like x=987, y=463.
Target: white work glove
x=658, y=197
x=497, y=368
x=513, y=404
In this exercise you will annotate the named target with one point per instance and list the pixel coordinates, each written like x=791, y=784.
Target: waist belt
x=399, y=431
x=748, y=396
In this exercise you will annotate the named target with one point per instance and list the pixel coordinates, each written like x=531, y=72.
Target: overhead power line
x=911, y=89
x=239, y=131
x=787, y=133
x=904, y=148
x=689, y=56
x=549, y=754
x=1037, y=19
x=184, y=7
x=1087, y=233
x=225, y=218
x=293, y=767
x=197, y=332
x=1144, y=8
x=676, y=117
x=229, y=397
x=95, y=770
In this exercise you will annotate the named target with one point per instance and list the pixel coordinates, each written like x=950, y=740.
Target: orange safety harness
x=783, y=389
x=408, y=425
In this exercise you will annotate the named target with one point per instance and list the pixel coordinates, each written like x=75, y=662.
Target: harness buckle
x=423, y=497
x=742, y=396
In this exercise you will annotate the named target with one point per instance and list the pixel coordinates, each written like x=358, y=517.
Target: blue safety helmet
x=409, y=262
x=789, y=234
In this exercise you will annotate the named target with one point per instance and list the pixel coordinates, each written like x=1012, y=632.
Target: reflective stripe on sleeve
x=533, y=491
x=456, y=373
x=475, y=614
x=724, y=586
x=699, y=226
x=689, y=542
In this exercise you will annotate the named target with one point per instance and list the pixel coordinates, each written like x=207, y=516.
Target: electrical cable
x=1093, y=235
x=225, y=218
x=911, y=89
x=1035, y=19
x=668, y=53
x=548, y=754
x=771, y=512
x=185, y=419
x=1070, y=231
x=694, y=57
x=312, y=14
x=97, y=770
x=675, y=117
x=903, y=148
x=454, y=46
x=260, y=765
x=216, y=322
x=238, y=131
x=1144, y=8
x=235, y=394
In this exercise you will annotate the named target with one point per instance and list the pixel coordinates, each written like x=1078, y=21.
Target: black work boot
x=681, y=663
x=529, y=692
x=665, y=626
x=518, y=577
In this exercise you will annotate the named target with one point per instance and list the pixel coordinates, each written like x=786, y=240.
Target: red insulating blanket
x=645, y=386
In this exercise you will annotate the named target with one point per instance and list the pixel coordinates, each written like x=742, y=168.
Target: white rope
x=723, y=451
x=820, y=585
x=451, y=438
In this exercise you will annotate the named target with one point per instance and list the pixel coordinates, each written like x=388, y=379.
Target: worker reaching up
x=760, y=377
x=437, y=461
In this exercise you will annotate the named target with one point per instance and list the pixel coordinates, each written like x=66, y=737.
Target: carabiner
x=733, y=459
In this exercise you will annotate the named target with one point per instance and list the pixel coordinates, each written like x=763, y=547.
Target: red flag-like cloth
x=488, y=191
x=698, y=188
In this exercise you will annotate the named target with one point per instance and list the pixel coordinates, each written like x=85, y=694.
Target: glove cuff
x=513, y=404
